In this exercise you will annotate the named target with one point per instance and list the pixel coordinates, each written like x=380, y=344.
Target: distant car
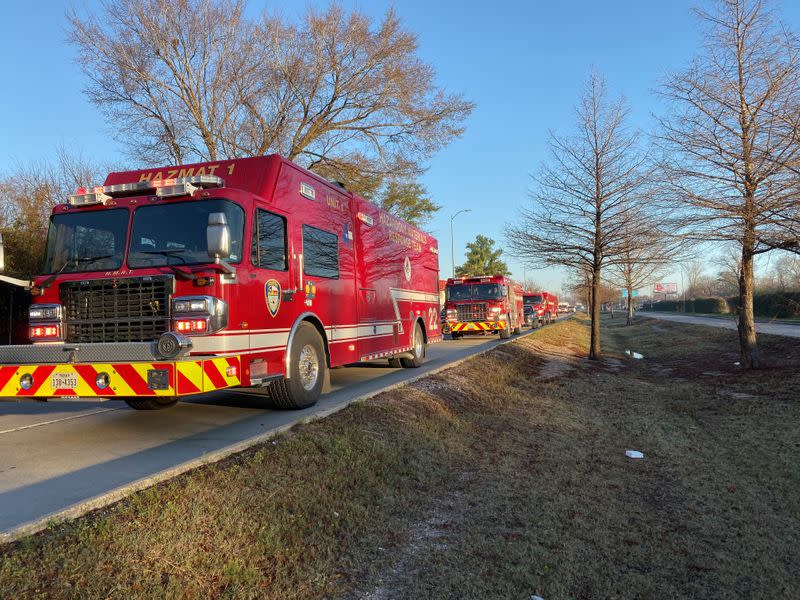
x=531, y=320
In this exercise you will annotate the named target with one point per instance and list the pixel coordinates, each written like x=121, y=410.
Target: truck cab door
x=268, y=293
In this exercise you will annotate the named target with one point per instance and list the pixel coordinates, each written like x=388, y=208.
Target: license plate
x=63, y=381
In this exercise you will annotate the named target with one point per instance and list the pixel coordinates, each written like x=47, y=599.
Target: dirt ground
x=503, y=477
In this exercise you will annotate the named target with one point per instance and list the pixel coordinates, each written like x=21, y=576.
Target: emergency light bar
x=164, y=188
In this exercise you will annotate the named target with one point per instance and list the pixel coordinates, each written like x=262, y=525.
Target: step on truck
x=488, y=304
x=541, y=308
x=182, y=280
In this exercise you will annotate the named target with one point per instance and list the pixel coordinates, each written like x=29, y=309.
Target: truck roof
x=260, y=175
x=479, y=279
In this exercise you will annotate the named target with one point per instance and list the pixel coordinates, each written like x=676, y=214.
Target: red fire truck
x=483, y=304
x=541, y=308
x=252, y=272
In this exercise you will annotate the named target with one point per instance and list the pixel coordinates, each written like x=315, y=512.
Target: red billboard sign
x=665, y=288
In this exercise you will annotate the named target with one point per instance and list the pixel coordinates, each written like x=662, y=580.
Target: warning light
x=44, y=332
x=191, y=325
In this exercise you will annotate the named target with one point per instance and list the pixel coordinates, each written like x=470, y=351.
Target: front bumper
x=181, y=377
x=476, y=326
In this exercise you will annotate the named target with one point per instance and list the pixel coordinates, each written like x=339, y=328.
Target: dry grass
x=485, y=481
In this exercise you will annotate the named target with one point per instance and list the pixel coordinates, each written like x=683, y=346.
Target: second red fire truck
x=251, y=272
x=541, y=308
x=483, y=304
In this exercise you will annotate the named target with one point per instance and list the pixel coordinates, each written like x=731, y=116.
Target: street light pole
x=452, y=238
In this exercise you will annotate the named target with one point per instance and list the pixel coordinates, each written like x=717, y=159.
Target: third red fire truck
x=483, y=304
x=181, y=280
x=541, y=308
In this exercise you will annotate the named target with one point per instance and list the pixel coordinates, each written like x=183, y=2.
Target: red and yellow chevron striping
x=178, y=378
x=477, y=326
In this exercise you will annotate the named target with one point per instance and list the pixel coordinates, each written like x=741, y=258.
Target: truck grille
x=471, y=312
x=134, y=309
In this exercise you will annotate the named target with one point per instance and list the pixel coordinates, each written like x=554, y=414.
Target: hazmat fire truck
x=183, y=280
x=541, y=308
x=483, y=304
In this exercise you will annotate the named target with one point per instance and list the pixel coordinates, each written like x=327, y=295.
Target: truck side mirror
x=2, y=255
x=218, y=236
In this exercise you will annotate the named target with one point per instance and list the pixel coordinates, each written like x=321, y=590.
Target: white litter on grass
x=737, y=363
x=633, y=454
x=535, y=597
x=635, y=355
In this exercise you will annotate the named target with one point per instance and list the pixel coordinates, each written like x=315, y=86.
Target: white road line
x=70, y=418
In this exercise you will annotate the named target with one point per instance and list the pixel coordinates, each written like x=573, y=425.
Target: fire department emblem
x=407, y=268
x=272, y=291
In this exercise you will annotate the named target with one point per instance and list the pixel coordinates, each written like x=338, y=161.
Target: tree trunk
x=750, y=358
x=594, y=344
x=630, y=307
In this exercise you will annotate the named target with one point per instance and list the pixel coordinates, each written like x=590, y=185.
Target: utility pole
x=452, y=239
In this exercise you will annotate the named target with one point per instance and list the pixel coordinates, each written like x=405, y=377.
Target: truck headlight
x=44, y=312
x=190, y=305
x=198, y=315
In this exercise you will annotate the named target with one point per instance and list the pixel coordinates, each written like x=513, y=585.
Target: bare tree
x=787, y=273
x=27, y=196
x=732, y=138
x=644, y=254
x=183, y=80
x=694, y=271
x=584, y=199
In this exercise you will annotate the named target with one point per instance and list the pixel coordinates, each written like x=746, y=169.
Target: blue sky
x=523, y=63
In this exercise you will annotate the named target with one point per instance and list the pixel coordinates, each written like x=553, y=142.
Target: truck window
x=533, y=299
x=86, y=241
x=268, y=250
x=175, y=233
x=487, y=291
x=458, y=292
x=320, y=253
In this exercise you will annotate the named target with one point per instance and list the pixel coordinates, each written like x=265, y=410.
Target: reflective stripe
x=478, y=326
x=126, y=379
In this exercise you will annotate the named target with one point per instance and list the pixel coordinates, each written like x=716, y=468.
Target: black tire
x=456, y=336
x=506, y=333
x=156, y=403
x=307, y=366
x=395, y=363
x=418, y=349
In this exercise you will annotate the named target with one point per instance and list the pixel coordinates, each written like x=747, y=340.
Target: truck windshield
x=479, y=291
x=86, y=241
x=533, y=299
x=487, y=291
x=459, y=292
x=175, y=234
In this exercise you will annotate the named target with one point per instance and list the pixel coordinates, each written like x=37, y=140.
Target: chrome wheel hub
x=308, y=367
x=417, y=344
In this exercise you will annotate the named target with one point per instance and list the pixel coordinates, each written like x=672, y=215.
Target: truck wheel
x=506, y=333
x=307, y=362
x=456, y=336
x=156, y=403
x=395, y=363
x=418, y=349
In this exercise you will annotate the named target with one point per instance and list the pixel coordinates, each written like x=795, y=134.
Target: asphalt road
x=57, y=458
x=774, y=328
